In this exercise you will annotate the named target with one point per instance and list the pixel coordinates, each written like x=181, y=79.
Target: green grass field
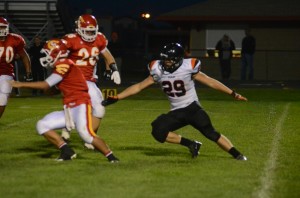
x=265, y=129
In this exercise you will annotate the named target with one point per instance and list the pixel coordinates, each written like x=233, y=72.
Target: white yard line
x=267, y=178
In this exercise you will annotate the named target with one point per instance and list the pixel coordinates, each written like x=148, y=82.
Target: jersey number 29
x=174, y=89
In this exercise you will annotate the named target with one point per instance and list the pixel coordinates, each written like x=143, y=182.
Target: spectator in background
x=116, y=48
x=225, y=47
x=38, y=71
x=248, y=49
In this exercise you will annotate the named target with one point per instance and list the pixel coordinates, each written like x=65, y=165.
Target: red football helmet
x=53, y=49
x=87, y=27
x=4, y=27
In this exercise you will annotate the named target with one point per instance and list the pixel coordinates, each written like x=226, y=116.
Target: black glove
x=110, y=100
x=107, y=74
x=28, y=77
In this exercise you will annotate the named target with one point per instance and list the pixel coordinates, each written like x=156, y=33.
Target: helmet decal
x=52, y=44
x=53, y=50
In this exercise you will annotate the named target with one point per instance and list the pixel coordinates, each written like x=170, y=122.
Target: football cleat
x=194, y=148
x=112, y=159
x=241, y=157
x=66, y=155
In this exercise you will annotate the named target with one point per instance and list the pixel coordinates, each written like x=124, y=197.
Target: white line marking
x=267, y=178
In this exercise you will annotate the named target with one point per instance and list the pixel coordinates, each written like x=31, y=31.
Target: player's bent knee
x=160, y=127
x=211, y=134
x=42, y=127
x=159, y=133
x=99, y=111
x=160, y=137
x=86, y=137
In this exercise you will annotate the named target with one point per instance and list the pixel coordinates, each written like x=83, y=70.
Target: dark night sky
x=131, y=8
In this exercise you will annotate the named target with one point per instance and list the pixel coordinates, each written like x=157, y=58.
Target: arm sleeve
x=53, y=79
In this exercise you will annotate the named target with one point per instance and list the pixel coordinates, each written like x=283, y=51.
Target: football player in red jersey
x=85, y=46
x=11, y=45
x=76, y=99
x=176, y=75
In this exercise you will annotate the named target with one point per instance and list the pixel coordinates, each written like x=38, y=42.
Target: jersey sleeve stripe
x=193, y=62
x=151, y=65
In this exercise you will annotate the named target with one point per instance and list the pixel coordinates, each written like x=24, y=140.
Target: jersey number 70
x=9, y=53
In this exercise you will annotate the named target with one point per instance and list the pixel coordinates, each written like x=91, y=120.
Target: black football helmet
x=171, y=57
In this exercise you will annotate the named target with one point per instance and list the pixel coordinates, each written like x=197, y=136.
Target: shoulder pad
x=71, y=35
x=150, y=65
x=195, y=62
x=62, y=68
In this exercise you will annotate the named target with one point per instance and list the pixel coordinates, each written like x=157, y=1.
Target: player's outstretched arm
x=33, y=85
x=132, y=90
x=215, y=84
x=136, y=88
x=238, y=96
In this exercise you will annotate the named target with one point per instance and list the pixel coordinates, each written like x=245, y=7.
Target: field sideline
x=265, y=129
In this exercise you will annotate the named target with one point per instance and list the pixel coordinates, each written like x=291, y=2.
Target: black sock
x=235, y=153
x=64, y=147
x=111, y=157
x=185, y=142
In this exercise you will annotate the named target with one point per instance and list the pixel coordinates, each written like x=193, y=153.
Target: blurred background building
x=145, y=26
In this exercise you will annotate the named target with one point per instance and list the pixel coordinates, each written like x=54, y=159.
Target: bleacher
x=33, y=18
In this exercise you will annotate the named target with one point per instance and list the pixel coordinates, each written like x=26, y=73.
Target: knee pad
x=42, y=127
x=210, y=133
x=54, y=120
x=98, y=110
x=159, y=132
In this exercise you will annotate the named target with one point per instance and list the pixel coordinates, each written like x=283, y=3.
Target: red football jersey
x=12, y=45
x=85, y=54
x=73, y=86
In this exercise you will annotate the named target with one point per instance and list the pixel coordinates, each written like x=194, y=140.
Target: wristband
x=233, y=94
x=113, y=67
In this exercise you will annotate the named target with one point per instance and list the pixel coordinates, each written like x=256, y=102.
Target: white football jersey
x=179, y=85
